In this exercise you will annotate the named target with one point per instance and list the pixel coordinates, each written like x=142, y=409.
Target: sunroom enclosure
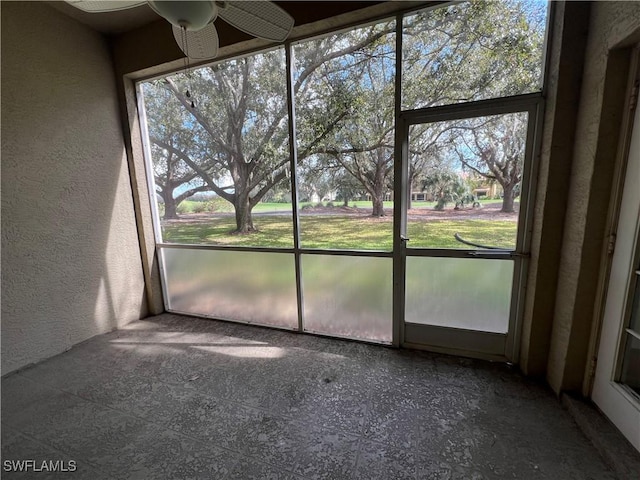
x=286, y=182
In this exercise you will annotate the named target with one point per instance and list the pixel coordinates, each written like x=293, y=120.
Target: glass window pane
x=473, y=294
x=631, y=359
x=221, y=165
x=634, y=321
x=631, y=364
x=344, y=92
x=465, y=178
x=348, y=296
x=472, y=51
x=253, y=287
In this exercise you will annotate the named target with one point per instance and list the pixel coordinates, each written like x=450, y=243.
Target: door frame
x=614, y=399
x=451, y=340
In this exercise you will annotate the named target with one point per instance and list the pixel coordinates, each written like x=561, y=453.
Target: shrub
x=441, y=204
x=183, y=208
x=217, y=204
x=282, y=198
x=199, y=207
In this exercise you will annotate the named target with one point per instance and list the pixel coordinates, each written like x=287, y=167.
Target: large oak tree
x=235, y=141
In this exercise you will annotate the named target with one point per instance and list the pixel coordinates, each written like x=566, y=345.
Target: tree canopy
x=235, y=141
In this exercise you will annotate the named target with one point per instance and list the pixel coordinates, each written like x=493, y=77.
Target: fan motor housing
x=190, y=15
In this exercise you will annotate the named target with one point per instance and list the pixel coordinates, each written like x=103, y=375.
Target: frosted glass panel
x=473, y=294
x=348, y=296
x=251, y=287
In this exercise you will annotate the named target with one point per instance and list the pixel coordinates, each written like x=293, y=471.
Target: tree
x=171, y=174
x=471, y=51
x=464, y=52
x=347, y=188
x=240, y=146
x=238, y=129
x=425, y=155
x=236, y=138
x=366, y=149
x=458, y=53
x=445, y=187
x=315, y=182
x=494, y=148
x=359, y=84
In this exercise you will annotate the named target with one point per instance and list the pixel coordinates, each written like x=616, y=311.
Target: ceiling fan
x=192, y=21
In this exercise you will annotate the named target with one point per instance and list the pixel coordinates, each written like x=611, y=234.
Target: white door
x=617, y=381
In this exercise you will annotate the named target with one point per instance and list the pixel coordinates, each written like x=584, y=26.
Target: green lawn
x=191, y=206
x=342, y=232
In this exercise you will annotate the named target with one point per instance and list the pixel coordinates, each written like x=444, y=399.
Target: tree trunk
x=410, y=192
x=508, y=198
x=378, y=202
x=377, y=196
x=170, y=208
x=244, y=221
x=378, y=206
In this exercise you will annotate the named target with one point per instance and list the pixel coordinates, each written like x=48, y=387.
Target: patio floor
x=176, y=397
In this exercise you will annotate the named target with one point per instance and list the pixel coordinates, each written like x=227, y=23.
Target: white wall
x=71, y=265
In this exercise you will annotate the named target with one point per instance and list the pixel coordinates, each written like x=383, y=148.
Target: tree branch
x=201, y=172
x=169, y=83
x=190, y=192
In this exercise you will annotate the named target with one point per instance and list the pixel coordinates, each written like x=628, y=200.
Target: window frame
x=434, y=113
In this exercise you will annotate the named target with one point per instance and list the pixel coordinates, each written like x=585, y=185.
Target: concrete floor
x=175, y=397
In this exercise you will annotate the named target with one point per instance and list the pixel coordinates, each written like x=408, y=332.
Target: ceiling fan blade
x=261, y=19
x=99, y=6
x=197, y=44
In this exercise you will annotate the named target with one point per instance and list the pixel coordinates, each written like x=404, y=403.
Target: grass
x=275, y=231
x=342, y=232
x=191, y=206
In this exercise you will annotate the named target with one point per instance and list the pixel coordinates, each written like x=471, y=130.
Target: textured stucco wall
x=589, y=191
x=71, y=263
x=565, y=65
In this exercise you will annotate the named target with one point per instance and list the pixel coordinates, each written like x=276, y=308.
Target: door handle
x=497, y=253
x=404, y=238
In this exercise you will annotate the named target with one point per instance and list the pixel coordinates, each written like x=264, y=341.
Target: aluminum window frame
x=534, y=103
